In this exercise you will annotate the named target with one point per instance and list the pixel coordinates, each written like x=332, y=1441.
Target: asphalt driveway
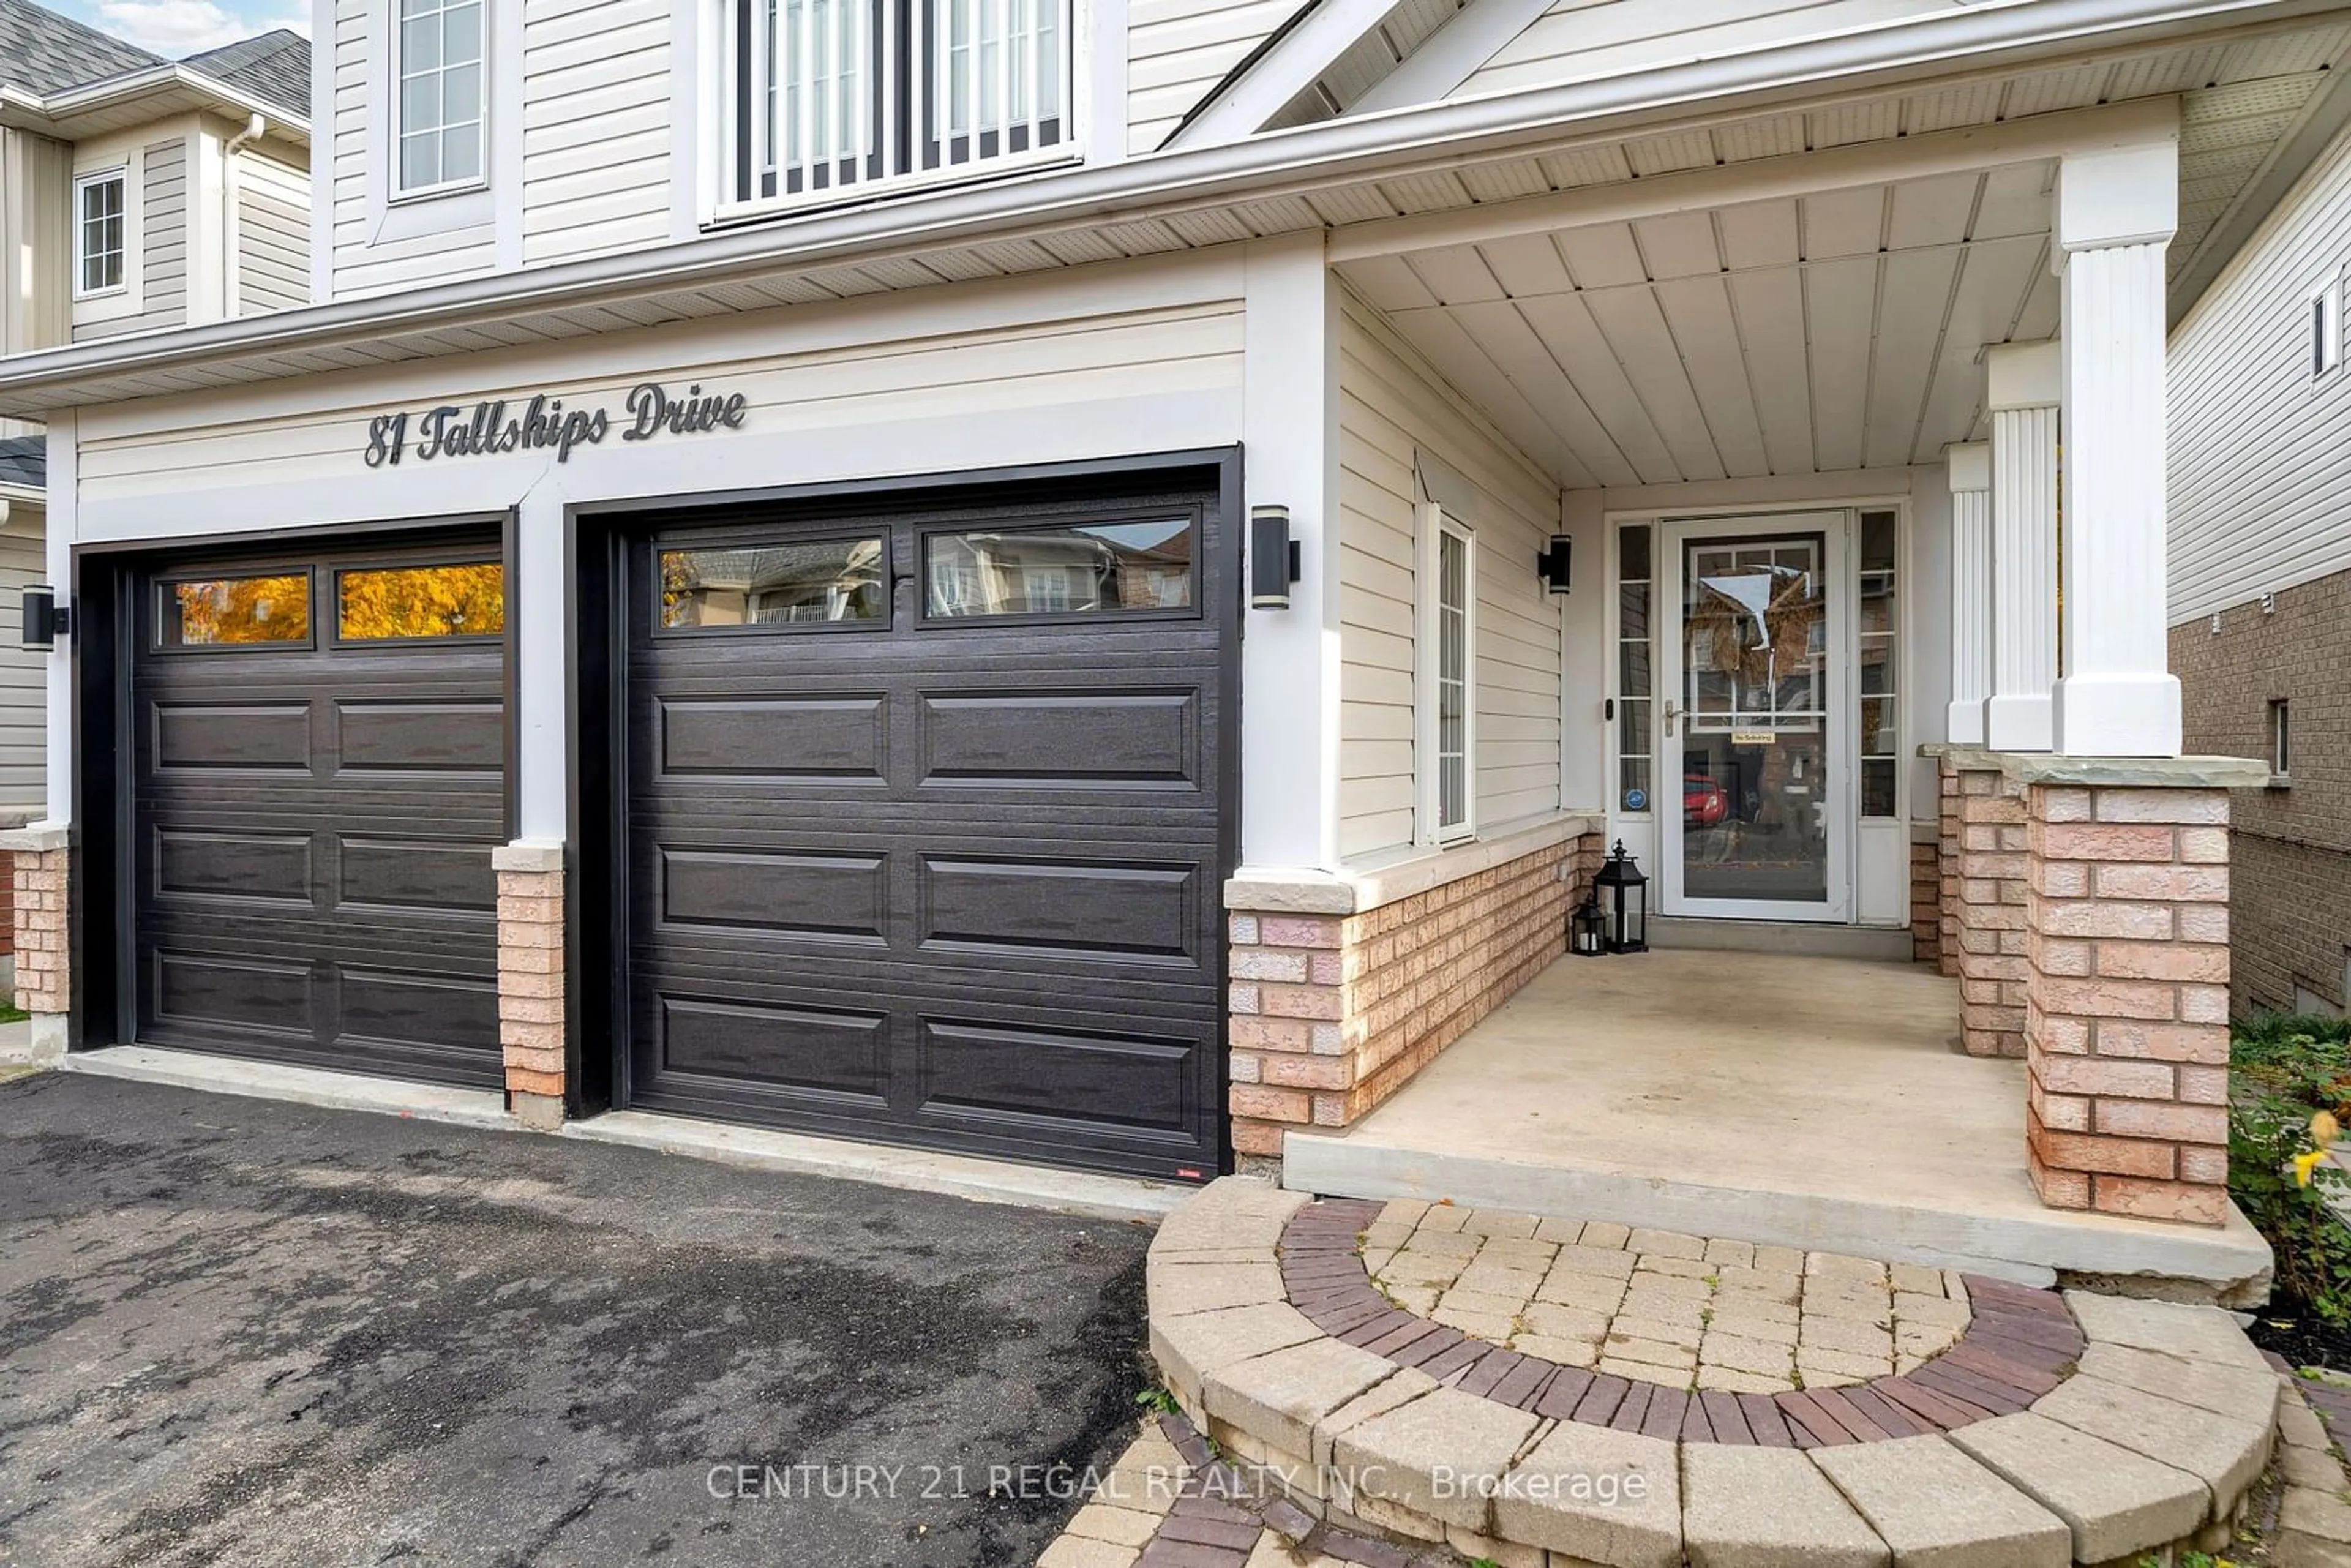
x=246, y=1333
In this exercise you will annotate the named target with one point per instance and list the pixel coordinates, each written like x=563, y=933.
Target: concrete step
x=1887, y=944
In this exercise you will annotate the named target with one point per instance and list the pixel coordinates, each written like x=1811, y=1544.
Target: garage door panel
x=449, y=1012
x=979, y=1074
x=1063, y=740
x=786, y=891
x=222, y=989
x=775, y=739
x=408, y=873
x=241, y=866
x=211, y=735
x=422, y=737
x=1075, y=910
x=830, y=1051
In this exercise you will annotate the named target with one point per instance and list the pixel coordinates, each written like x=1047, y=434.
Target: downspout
x=255, y=126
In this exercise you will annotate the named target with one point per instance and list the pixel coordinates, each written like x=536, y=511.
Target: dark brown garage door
x=319, y=780
x=924, y=827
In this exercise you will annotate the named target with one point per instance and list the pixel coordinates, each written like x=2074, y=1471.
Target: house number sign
x=496, y=427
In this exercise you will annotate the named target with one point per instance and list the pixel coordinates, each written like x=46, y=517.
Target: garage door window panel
x=457, y=600
x=1125, y=567
x=791, y=584
x=270, y=610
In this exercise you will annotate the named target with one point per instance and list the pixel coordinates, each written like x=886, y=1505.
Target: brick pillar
x=1947, y=864
x=1991, y=937
x=1287, y=998
x=530, y=980
x=1926, y=903
x=42, y=930
x=2128, y=1028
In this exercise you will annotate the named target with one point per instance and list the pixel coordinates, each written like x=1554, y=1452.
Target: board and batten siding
x=1392, y=409
x=596, y=127
x=158, y=184
x=1178, y=50
x=272, y=235
x=24, y=675
x=365, y=262
x=1581, y=38
x=2260, y=463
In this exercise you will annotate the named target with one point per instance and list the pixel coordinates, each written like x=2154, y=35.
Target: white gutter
x=256, y=127
x=148, y=82
x=1309, y=157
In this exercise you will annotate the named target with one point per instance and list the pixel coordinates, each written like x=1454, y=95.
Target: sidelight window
x=1446, y=656
x=838, y=97
x=1881, y=665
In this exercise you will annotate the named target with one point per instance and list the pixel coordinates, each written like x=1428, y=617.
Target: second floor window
x=835, y=95
x=438, y=118
x=97, y=232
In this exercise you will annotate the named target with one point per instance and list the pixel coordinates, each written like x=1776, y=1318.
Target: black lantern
x=1587, y=929
x=1628, y=901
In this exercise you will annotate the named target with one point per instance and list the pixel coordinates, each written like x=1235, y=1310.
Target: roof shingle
x=43, y=52
x=273, y=67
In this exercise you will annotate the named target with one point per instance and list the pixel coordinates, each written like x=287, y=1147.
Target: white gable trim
x=1442, y=484
x=1241, y=108
x=1453, y=54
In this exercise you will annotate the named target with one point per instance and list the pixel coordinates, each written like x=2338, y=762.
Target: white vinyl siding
x=596, y=127
x=1178, y=50
x=272, y=235
x=157, y=284
x=22, y=675
x=2260, y=461
x=1579, y=39
x=353, y=159
x=101, y=232
x=1392, y=408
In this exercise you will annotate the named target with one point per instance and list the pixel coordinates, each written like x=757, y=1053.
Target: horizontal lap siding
x=23, y=700
x=2259, y=452
x=1577, y=38
x=1390, y=406
x=1178, y=50
x=160, y=186
x=1178, y=349
x=364, y=264
x=273, y=235
x=596, y=128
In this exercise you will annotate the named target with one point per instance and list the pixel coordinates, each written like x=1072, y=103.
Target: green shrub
x=2266, y=1131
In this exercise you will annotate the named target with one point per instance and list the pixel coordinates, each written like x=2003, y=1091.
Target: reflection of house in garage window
x=773, y=585
x=1060, y=569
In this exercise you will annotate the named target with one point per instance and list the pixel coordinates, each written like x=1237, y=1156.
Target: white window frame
x=2281, y=727
x=1437, y=525
x=121, y=175
x=395, y=108
x=2323, y=316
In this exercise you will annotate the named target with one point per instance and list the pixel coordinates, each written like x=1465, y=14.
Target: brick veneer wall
x=2127, y=1027
x=530, y=980
x=44, y=979
x=2292, y=848
x=1926, y=903
x=1947, y=865
x=1331, y=1014
x=1991, y=914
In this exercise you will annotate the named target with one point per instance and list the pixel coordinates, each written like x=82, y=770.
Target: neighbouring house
x=2260, y=579
x=1090, y=581
x=136, y=194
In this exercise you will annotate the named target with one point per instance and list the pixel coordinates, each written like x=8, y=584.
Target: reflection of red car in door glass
x=1705, y=803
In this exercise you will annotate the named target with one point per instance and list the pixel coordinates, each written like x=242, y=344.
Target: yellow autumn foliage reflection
x=464, y=600
x=230, y=610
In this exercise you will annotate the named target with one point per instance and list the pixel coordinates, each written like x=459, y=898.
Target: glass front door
x=1753, y=719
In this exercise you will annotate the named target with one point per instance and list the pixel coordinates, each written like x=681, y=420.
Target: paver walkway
x=1655, y=1306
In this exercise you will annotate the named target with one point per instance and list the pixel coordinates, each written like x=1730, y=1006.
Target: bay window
x=832, y=96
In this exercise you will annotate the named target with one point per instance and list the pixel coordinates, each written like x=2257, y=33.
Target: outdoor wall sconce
x=1273, y=558
x=1587, y=929
x=1628, y=901
x=44, y=622
x=1555, y=563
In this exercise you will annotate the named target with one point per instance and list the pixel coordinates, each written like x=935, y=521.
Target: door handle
x=1669, y=715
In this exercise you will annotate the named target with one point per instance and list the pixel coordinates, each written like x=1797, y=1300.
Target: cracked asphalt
x=245, y=1332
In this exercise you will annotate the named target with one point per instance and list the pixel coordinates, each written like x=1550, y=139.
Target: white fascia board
x=174, y=89
x=1311, y=156
x=1289, y=67
x=1451, y=55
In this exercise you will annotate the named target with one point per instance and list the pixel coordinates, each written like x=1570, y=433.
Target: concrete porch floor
x=1801, y=1101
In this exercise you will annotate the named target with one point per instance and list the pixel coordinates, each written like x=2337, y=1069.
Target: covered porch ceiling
x=1818, y=333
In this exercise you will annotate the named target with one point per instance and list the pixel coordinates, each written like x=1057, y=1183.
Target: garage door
x=924, y=827
x=319, y=780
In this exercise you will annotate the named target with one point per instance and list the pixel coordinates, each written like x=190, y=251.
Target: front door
x=1754, y=718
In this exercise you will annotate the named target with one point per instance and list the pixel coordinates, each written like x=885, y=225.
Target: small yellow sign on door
x=1754, y=738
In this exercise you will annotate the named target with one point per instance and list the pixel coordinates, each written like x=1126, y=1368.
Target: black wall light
x=1555, y=563
x=44, y=620
x=1273, y=558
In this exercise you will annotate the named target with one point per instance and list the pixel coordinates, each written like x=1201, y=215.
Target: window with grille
x=437, y=143
x=98, y=241
x=1635, y=578
x=1447, y=659
x=836, y=96
x=1881, y=665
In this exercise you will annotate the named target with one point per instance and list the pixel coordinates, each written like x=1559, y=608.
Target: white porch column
x=1969, y=470
x=1290, y=659
x=2116, y=209
x=2024, y=388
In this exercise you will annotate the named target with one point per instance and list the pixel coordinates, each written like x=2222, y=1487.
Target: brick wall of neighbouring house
x=2291, y=847
x=1332, y=1014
